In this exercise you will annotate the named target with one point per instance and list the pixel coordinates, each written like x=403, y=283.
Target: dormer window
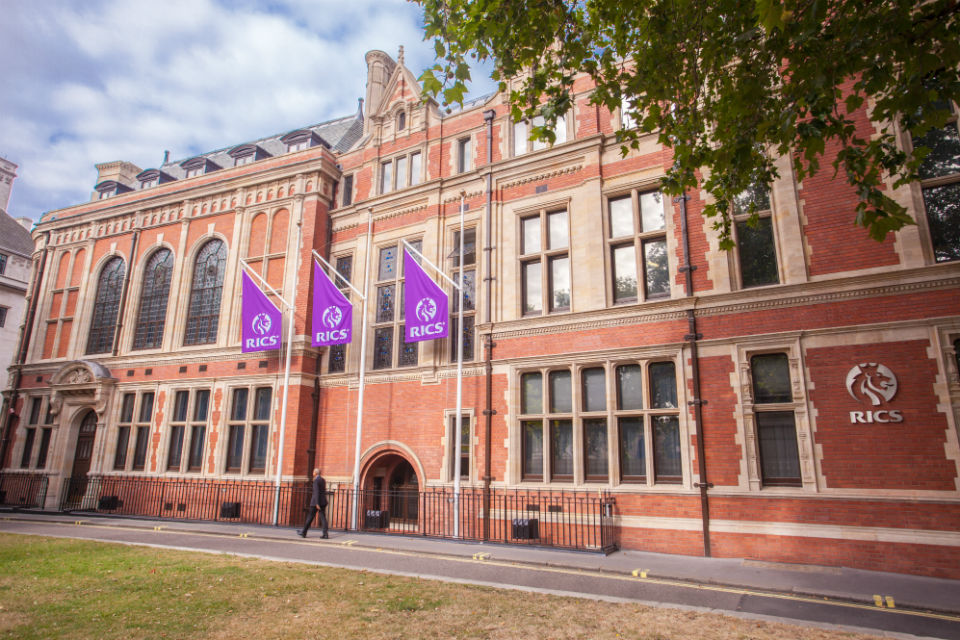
x=247, y=153
x=401, y=121
x=153, y=177
x=303, y=139
x=110, y=188
x=198, y=167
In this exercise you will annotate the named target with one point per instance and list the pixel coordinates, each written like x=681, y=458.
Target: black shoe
x=324, y=536
x=302, y=534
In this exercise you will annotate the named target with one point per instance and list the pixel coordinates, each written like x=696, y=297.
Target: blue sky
x=102, y=80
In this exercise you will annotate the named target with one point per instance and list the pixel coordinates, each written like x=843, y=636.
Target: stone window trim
x=751, y=477
x=766, y=215
x=248, y=425
x=464, y=153
x=469, y=474
x=545, y=254
x=388, y=291
x=185, y=289
x=188, y=424
x=135, y=299
x=578, y=415
x=336, y=355
x=140, y=417
x=42, y=425
x=950, y=179
x=623, y=119
x=949, y=340
x=103, y=308
x=471, y=269
x=638, y=238
x=401, y=171
x=520, y=143
x=3, y=263
x=346, y=190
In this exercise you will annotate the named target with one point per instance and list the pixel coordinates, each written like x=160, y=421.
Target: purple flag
x=262, y=321
x=424, y=304
x=332, y=312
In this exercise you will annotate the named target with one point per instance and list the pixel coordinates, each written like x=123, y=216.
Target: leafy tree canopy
x=726, y=84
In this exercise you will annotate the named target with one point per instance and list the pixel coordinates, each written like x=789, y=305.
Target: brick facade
x=794, y=477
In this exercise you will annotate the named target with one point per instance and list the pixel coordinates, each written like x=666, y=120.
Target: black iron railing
x=565, y=519
x=26, y=490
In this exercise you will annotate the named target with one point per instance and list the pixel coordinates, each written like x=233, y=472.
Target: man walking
x=318, y=503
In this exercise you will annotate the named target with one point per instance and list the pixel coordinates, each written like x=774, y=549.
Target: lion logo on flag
x=426, y=310
x=332, y=316
x=261, y=324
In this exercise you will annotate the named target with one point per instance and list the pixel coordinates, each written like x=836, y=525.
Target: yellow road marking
x=877, y=601
x=890, y=602
x=481, y=556
x=639, y=573
x=613, y=576
x=244, y=535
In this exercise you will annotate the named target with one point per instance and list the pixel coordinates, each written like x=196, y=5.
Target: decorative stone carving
x=78, y=376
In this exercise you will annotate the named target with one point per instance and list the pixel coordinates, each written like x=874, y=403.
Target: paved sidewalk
x=833, y=582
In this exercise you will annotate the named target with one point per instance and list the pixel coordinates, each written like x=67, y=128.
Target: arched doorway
x=82, y=455
x=392, y=490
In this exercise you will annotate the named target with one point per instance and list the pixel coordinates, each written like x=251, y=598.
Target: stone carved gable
x=402, y=87
x=81, y=382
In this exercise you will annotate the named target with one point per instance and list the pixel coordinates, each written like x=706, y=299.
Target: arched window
x=205, y=294
x=401, y=120
x=105, y=307
x=153, y=300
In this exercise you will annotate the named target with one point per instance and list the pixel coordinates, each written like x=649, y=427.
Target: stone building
x=16, y=247
x=795, y=400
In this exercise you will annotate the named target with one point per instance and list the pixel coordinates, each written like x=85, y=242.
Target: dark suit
x=318, y=504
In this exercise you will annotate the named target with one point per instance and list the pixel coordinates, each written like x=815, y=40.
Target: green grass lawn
x=59, y=588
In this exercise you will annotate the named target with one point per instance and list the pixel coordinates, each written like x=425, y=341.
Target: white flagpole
x=458, y=421
x=286, y=377
x=354, y=508
x=458, y=435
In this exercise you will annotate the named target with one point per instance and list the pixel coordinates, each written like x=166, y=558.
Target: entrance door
x=83, y=453
x=404, y=494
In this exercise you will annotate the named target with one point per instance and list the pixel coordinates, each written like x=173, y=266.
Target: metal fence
x=25, y=490
x=575, y=520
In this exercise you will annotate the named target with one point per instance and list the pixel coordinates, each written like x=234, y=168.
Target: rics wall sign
x=872, y=384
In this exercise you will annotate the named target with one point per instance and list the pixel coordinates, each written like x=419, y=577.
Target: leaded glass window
x=206, y=293
x=389, y=347
x=153, y=300
x=106, y=306
x=468, y=275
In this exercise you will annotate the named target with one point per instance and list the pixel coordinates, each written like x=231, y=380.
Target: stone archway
x=82, y=391
x=390, y=484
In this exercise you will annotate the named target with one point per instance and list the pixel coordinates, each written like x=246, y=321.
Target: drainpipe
x=123, y=293
x=688, y=268
x=22, y=349
x=488, y=411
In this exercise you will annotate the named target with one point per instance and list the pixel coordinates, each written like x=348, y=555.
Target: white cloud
x=125, y=79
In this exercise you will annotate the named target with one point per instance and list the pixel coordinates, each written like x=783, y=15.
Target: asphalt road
x=484, y=568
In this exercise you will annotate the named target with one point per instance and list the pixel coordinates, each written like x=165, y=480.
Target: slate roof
x=13, y=237
x=340, y=134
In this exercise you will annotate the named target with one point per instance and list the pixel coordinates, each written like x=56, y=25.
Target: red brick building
x=794, y=400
